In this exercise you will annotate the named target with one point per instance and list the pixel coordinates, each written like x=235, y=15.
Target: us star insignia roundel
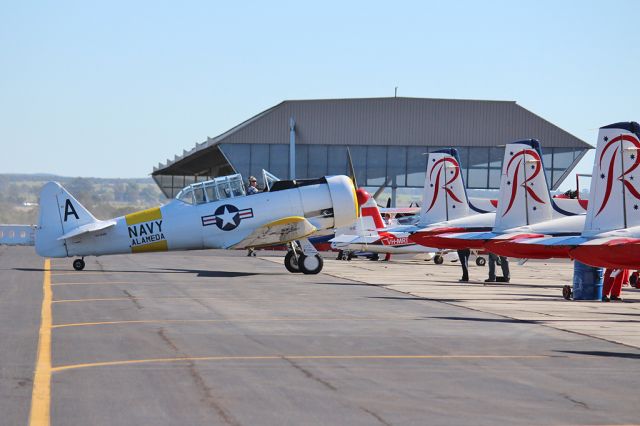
x=227, y=217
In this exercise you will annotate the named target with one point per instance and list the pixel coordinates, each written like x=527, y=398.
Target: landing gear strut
x=303, y=257
x=78, y=264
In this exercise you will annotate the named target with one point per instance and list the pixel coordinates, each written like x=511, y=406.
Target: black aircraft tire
x=291, y=263
x=78, y=264
x=481, y=261
x=438, y=259
x=310, y=265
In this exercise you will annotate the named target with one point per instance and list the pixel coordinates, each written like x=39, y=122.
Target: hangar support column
x=292, y=148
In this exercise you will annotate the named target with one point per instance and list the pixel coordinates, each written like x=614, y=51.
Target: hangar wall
x=387, y=137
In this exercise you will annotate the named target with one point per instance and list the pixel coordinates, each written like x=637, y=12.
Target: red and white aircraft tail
x=611, y=235
x=444, y=196
x=524, y=197
x=614, y=201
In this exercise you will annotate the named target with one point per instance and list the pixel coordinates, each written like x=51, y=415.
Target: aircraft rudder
x=59, y=213
x=524, y=192
x=614, y=193
x=444, y=195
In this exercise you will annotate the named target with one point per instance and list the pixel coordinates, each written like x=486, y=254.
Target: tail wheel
x=310, y=265
x=78, y=264
x=481, y=261
x=291, y=263
x=438, y=259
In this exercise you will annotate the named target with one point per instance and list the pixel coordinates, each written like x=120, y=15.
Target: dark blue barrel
x=587, y=282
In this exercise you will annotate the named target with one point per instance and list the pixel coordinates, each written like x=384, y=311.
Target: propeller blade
x=352, y=170
x=382, y=188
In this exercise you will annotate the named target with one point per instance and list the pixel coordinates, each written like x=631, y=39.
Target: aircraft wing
x=399, y=210
x=88, y=228
x=280, y=231
x=355, y=239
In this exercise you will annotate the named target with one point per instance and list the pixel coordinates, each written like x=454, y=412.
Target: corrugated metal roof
x=394, y=121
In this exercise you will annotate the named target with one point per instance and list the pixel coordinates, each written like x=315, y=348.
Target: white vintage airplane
x=209, y=215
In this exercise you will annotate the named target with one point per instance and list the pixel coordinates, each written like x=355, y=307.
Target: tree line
x=104, y=198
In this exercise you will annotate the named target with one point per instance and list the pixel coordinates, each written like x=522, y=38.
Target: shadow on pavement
x=197, y=272
x=629, y=355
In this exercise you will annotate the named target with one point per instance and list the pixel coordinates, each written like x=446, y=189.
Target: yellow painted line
x=80, y=273
x=110, y=282
x=144, y=216
x=115, y=299
x=41, y=393
x=93, y=300
x=178, y=321
x=294, y=357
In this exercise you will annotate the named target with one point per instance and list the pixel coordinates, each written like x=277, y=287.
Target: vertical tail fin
x=614, y=199
x=370, y=210
x=369, y=219
x=60, y=213
x=444, y=196
x=524, y=197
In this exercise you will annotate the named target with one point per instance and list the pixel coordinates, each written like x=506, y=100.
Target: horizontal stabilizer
x=399, y=210
x=88, y=228
x=277, y=232
x=355, y=239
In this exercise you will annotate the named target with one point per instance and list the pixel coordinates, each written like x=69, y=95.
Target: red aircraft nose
x=362, y=196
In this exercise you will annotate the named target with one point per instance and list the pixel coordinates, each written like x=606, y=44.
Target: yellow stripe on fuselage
x=285, y=220
x=143, y=216
x=155, y=246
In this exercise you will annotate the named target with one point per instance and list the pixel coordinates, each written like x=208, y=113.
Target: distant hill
x=104, y=197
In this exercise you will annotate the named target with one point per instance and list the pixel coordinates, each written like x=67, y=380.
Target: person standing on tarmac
x=463, y=255
x=504, y=264
x=613, y=279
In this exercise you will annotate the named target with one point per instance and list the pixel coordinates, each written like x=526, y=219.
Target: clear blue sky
x=109, y=89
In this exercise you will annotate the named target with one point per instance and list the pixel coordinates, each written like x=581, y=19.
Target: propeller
x=352, y=170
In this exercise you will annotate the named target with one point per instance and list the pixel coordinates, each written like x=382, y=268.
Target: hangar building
x=387, y=138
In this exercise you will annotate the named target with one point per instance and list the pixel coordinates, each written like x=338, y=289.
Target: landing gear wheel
x=567, y=293
x=78, y=264
x=350, y=256
x=481, y=261
x=438, y=259
x=291, y=263
x=375, y=257
x=310, y=265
